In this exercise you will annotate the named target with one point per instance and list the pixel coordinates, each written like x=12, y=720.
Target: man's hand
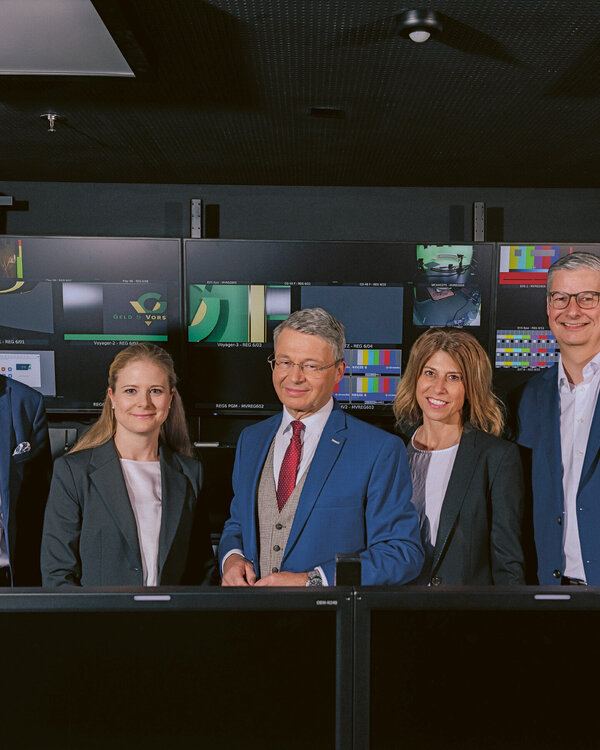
x=283, y=579
x=237, y=571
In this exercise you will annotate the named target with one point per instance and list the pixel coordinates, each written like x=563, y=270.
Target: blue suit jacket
x=25, y=467
x=356, y=498
x=539, y=430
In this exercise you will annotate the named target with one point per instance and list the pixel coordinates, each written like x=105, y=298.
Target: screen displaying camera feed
x=69, y=304
x=446, y=291
x=524, y=343
x=238, y=291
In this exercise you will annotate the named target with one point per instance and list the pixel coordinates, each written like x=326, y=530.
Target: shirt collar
x=590, y=371
x=312, y=422
x=563, y=380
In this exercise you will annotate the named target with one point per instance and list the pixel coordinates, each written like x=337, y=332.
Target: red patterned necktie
x=289, y=466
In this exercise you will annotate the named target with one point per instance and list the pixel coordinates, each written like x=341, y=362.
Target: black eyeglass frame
x=577, y=295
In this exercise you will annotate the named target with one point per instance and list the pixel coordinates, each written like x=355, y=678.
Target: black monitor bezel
x=379, y=413
x=176, y=342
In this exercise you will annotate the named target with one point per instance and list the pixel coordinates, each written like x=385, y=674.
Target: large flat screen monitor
x=177, y=669
x=385, y=294
x=69, y=304
x=474, y=669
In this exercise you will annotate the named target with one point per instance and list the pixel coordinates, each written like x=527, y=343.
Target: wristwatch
x=314, y=578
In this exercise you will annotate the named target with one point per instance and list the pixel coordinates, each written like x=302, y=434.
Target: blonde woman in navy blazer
x=124, y=506
x=467, y=481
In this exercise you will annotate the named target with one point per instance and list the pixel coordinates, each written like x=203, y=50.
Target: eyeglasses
x=309, y=369
x=585, y=300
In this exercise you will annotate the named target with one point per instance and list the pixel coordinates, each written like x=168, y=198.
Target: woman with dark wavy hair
x=467, y=481
x=124, y=506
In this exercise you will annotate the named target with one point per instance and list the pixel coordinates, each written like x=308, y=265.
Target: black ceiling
x=507, y=96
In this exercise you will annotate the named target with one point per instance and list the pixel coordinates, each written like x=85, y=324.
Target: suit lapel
x=547, y=418
x=592, y=453
x=328, y=450
x=107, y=477
x=174, y=497
x=465, y=462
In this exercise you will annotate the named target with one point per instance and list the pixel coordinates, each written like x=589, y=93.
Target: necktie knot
x=297, y=428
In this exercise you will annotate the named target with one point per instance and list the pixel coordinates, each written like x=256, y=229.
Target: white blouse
x=144, y=487
x=430, y=471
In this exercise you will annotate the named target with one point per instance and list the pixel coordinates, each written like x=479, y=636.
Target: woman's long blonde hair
x=173, y=431
x=482, y=408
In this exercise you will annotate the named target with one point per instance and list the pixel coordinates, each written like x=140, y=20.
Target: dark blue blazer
x=480, y=529
x=25, y=468
x=539, y=430
x=356, y=498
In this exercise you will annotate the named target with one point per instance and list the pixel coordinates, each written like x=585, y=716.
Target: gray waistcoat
x=273, y=526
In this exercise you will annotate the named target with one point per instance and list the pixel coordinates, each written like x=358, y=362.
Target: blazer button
x=436, y=580
x=557, y=574
x=276, y=548
x=559, y=519
x=278, y=526
x=274, y=570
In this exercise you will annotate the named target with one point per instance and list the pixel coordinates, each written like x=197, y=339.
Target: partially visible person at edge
x=124, y=506
x=467, y=481
x=559, y=422
x=314, y=481
x=25, y=468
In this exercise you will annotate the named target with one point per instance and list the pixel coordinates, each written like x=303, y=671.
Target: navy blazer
x=539, y=431
x=356, y=498
x=25, y=467
x=480, y=529
x=90, y=533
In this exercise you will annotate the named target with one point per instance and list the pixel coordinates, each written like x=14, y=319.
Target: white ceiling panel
x=57, y=37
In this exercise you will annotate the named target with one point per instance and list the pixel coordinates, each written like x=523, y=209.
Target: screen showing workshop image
x=443, y=264
x=446, y=291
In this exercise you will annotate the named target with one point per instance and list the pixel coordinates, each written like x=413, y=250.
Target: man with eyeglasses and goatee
x=559, y=420
x=314, y=481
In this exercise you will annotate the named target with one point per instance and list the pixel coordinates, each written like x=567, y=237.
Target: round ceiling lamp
x=418, y=25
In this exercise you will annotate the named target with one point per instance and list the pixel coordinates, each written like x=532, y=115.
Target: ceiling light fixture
x=418, y=25
x=329, y=113
x=52, y=118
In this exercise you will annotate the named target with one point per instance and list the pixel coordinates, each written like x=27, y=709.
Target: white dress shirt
x=313, y=428
x=577, y=404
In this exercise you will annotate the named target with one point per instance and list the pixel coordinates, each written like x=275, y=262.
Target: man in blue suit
x=25, y=468
x=559, y=420
x=314, y=481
